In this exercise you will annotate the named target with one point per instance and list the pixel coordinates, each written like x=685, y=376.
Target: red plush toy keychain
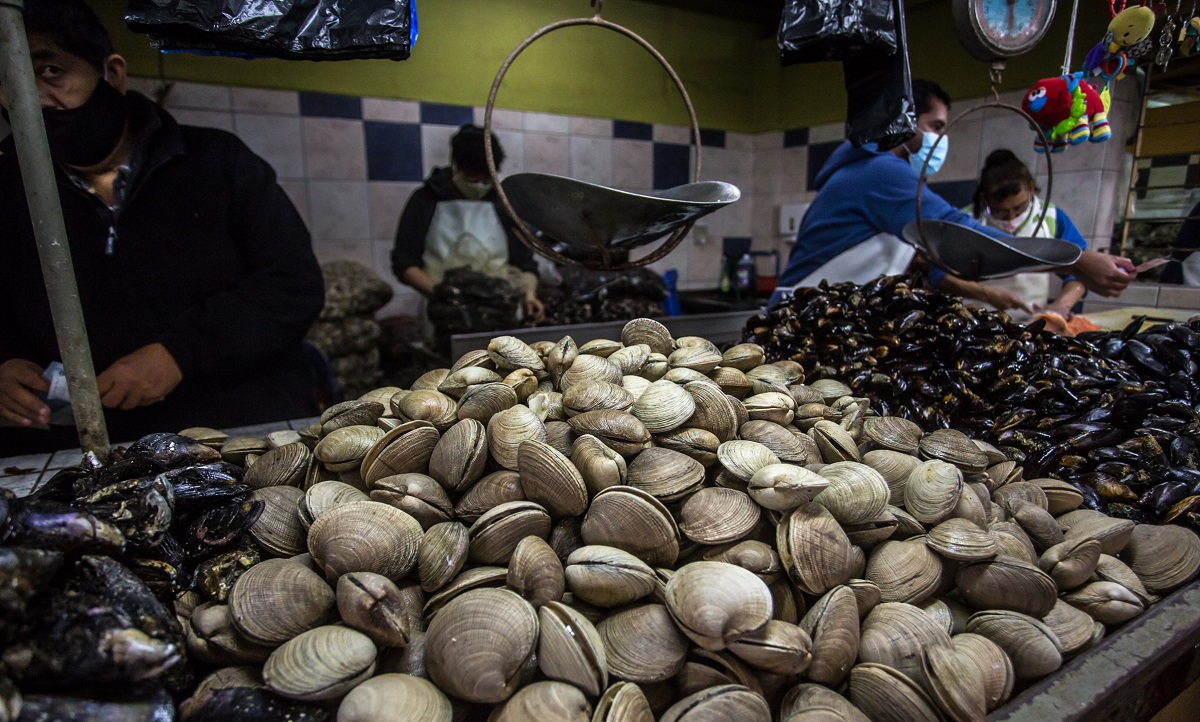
x=1069, y=110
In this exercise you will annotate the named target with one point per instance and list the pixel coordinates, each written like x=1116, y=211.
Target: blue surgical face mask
x=936, y=156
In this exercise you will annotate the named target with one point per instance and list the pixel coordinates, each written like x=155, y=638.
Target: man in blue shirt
x=853, y=229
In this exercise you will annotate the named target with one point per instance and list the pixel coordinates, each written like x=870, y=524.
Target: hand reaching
x=18, y=380
x=1104, y=274
x=140, y=378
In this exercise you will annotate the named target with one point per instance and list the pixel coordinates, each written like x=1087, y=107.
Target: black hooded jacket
x=204, y=253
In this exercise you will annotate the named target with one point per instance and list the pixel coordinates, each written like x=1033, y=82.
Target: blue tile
x=671, y=162
x=795, y=137
x=956, y=193
x=393, y=151
x=442, y=114
x=712, y=138
x=328, y=105
x=630, y=130
x=818, y=153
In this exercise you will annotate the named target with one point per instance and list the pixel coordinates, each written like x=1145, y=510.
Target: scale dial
x=995, y=29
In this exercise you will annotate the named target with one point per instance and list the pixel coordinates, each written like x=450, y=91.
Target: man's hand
x=141, y=378
x=1104, y=274
x=18, y=378
x=535, y=310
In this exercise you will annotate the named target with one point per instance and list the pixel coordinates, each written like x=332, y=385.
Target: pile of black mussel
x=91, y=564
x=1113, y=413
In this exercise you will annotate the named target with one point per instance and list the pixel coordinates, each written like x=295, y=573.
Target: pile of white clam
x=650, y=528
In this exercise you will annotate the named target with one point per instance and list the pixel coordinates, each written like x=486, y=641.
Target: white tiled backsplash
x=321, y=148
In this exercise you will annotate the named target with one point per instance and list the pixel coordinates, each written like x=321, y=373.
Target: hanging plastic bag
x=292, y=29
x=811, y=31
x=879, y=103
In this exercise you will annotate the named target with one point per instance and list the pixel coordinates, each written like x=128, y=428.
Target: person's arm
x=998, y=298
x=521, y=257
x=408, y=250
x=270, y=308
x=1073, y=290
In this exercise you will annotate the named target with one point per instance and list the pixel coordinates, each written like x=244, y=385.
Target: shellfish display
x=1115, y=414
x=645, y=545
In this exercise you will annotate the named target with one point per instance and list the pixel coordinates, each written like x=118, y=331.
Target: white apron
x=466, y=234
x=1032, y=288
x=880, y=255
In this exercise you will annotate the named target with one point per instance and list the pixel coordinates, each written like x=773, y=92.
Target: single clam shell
x=593, y=395
x=698, y=444
x=237, y=448
x=773, y=406
x=1106, y=602
x=429, y=405
x=830, y=389
x=886, y=695
x=630, y=359
x=807, y=701
x=743, y=356
x=896, y=635
x=718, y=515
x=697, y=358
x=1073, y=627
x=754, y=556
x=495, y=535
x=352, y=413
x=942, y=613
x=476, y=646
x=893, y=432
x=732, y=381
x=813, y=548
x=405, y=449
x=417, y=495
x=457, y=382
x=960, y=694
x=716, y=603
x=373, y=605
x=623, y=702
x=715, y=411
x=834, y=442
x=343, y=449
x=1010, y=493
x=365, y=536
x=320, y=664
x=832, y=625
x=778, y=647
x=325, y=495
x=282, y=466
x=206, y=435
x=535, y=572
x=1113, y=534
x=214, y=639
x=1071, y=563
x=856, y=492
x=932, y=491
x=378, y=698
x=510, y=353
x=663, y=407
x=560, y=358
x=442, y=554
x=570, y=649
x=1012, y=541
x=1032, y=647
x=548, y=405
x=630, y=519
x=895, y=467
x=524, y=382
x=665, y=474
x=589, y=368
x=1042, y=528
x=600, y=466
x=483, y=402
x=507, y=430
x=962, y=540
x=459, y=457
x=621, y=431
x=789, y=447
x=1061, y=496
x=785, y=486
x=904, y=571
x=650, y=332
x=491, y=491
x=1163, y=557
x=433, y=378
x=742, y=459
x=992, y=666
x=278, y=599
x=473, y=578
x=561, y=436
x=278, y=530
x=547, y=700
x=724, y=702
x=642, y=643
x=704, y=669
x=1007, y=583
x=550, y=479
x=608, y=577
x=474, y=357
x=1111, y=569
x=953, y=447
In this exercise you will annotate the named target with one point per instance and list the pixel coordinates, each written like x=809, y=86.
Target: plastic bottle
x=746, y=274
x=726, y=284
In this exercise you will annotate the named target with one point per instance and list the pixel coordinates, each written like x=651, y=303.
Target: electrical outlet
x=788, y=222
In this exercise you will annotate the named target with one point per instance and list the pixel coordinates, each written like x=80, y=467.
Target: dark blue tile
x=712, y=138
x=1162, y=161
x=393, y=151
x=631, y=130
x=671, y=165
x=442, y=114
x=795, y=137
x=818, y=153
x=957, y=193
x=329, y=105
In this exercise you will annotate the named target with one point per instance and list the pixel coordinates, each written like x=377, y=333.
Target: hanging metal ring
x=523, y=231
x=1002, y=106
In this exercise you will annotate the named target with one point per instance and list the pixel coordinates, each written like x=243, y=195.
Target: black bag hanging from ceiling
x=291, y=29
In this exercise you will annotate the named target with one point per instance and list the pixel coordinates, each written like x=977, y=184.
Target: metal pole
x=41, y=191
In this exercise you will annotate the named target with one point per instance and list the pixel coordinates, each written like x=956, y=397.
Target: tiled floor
x=22, y=474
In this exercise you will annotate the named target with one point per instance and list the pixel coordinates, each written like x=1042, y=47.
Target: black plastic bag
x=811, y=31
x=292, y=29
x=879, y=102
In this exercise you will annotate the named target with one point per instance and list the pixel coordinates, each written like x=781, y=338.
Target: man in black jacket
x=195, y=272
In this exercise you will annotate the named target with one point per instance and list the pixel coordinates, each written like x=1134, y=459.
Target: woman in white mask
x=1006, y=199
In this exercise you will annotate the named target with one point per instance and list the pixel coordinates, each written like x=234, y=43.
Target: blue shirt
x=863, y=192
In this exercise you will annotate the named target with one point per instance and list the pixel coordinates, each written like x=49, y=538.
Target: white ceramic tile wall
x=322, y=165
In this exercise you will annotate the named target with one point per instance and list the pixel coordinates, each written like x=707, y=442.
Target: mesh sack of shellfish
x=637, y=529
x=348, y=335
x=352, y=289
x=1118, y=420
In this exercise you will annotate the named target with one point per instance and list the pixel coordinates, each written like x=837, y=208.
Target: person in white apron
x=1006, y=199
x=454, y=221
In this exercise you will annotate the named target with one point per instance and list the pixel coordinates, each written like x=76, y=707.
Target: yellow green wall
x=731, y=69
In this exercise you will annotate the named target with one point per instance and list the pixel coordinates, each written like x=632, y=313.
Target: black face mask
x=86, y=135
